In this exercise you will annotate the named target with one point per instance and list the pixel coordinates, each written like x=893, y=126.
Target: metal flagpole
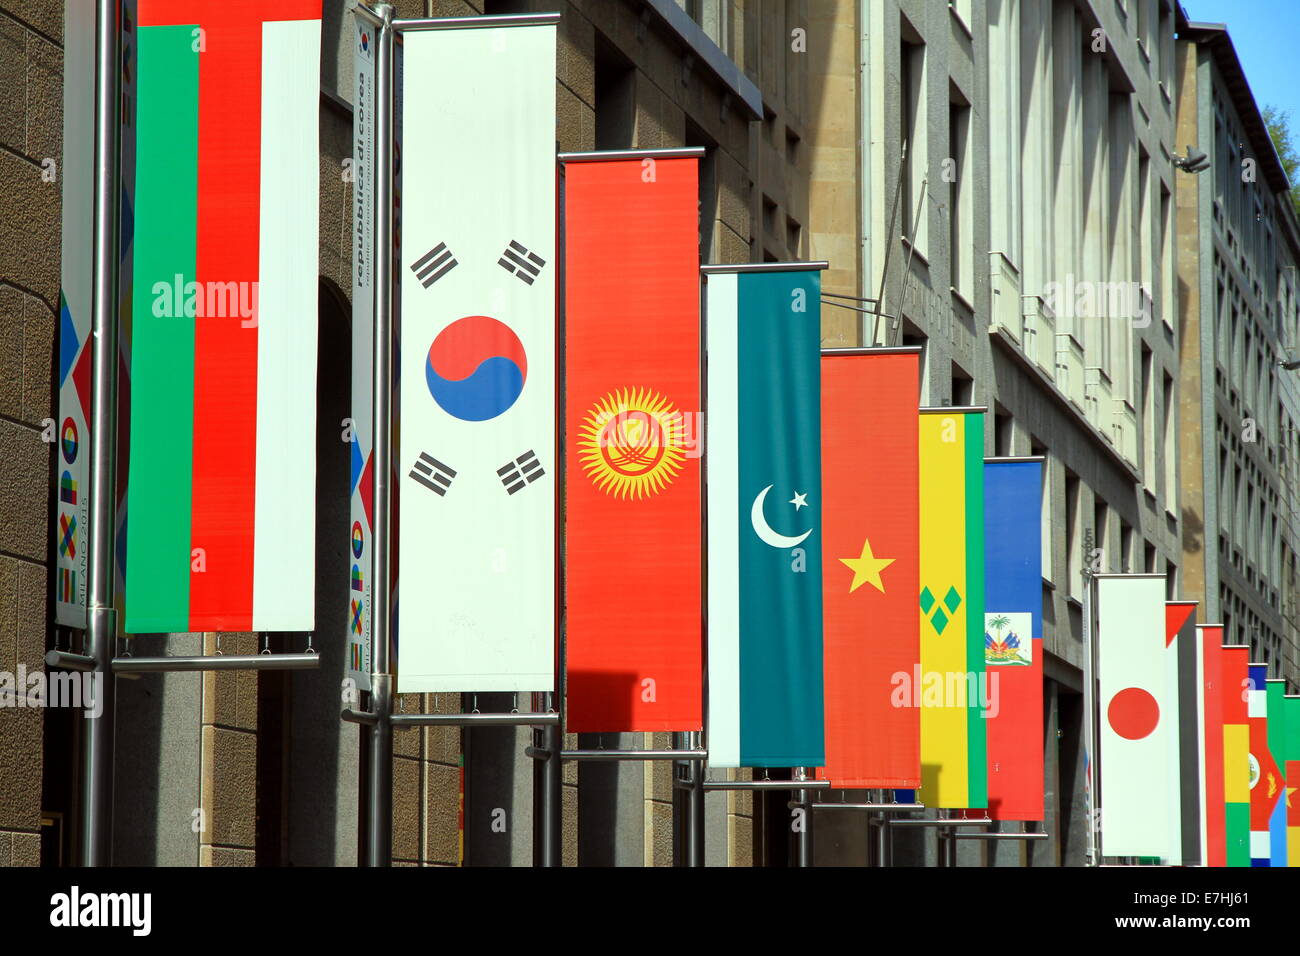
x=380, y=791
x=101, y=617
x=1089, y=724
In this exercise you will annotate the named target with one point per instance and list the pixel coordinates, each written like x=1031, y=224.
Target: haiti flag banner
x=1275, y=693
x=953, y=692
x=1237, y=773
x=1209, y=758
x=763, y=435
x=477, y=454
x=869, y=547
x=633, y=498
x=72, y=438
x=1013, y=636
x=222, y=425
x=1180, y=657
x=1138, y=705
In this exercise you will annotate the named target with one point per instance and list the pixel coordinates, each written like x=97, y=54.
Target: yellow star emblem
x=1289, y=791
x=867, y=567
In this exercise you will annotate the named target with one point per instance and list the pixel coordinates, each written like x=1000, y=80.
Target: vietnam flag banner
x=222, y=426
x=477, y=452
x=1266, y=785
x=1013, y=636
x=633, y=497
x=1184, y=790
x=1138, y=705
x=1291, y=756
x=1236, y=754
x=1210, y=724
x=1277, y=745
x=953, y=691
x=763, y=435
x=870, y=524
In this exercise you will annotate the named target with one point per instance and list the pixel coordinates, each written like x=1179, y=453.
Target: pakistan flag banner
x=953, y=690
x=763, y=460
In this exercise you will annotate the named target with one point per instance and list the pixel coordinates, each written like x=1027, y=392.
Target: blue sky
x=1264, y=33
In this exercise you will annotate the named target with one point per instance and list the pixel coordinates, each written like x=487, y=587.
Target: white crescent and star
x=764, y=530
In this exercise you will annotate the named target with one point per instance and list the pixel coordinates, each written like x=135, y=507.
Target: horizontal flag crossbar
x=950, y=409
x=727, y=268
x=623, y=754
x=942, y=823
x=997, y=836
x=877, y=350
x=218, y=662
x=359, y=717
x=875, y=807
x=1012, y=459
x=610, y=155
x=69, y=661
x=475, y=720
x=767, y=784
x=417, y=24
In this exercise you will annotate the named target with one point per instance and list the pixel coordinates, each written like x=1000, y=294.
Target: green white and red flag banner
x=222, y=427
x=477, y=451
x=72, y=427
x=1211, y=677
x=1138, y=705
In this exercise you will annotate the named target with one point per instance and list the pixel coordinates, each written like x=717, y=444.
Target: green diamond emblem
x=939, y=620
x=927, y=600
x=952, y=599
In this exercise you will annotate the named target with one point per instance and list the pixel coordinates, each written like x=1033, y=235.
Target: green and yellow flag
x=951, y=681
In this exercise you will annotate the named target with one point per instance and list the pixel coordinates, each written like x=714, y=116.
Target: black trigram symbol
x=522, y=471
x=520, y=262
x=434, y=264
x=433, y=474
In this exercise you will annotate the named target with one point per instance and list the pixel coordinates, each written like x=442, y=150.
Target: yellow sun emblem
x=631, y=443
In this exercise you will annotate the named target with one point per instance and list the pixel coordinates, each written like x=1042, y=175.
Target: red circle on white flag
x=1133, y=713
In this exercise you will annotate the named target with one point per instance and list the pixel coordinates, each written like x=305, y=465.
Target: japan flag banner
x=477, y=450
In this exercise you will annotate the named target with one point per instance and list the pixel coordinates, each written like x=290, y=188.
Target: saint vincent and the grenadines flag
x=951, y=601
x=633, y=515
x=763, y=437
x=1013, y=636
x=870, y=526
x=222, y=470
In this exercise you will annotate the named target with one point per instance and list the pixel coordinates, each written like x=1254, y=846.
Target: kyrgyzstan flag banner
x=1291, y=758
x=478, y=394
x=954, y=695
x=869, y=561
x=1209, y=762
x=1275, y=692
x=633, y=515
x=1180, y=657
x=222, y=429
x=1013, y=636
x=763, y=436
x=1236, y=754
x=1138, y=704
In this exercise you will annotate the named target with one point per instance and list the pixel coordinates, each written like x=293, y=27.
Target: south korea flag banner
x=477, y=454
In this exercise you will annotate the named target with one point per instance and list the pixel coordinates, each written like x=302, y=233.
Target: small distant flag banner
x=1013, y=636
x=1266, y=788
x=763, y=435
x=1209, y=758
x=477, y=454
x=1291, y=769
x=1138, y=705
x=72, y=438
x=633, y=503
x=222, y=426
x=870, y=567
x=1180, y=657
x=1237, y=773
x=1275, y=693
x=954, y=692
x=362, y=479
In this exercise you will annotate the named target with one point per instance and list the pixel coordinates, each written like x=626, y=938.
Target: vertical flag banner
x=951, y=601
x=1209, y=758
x=1275, y=693
x=1291, y=768
x=1013, y=637
x=477, y=360
x=763, y=435
x=1236, y=754
x=869, y=563
x=633, y=509
x=72, y=427
x=1184, y=790
x=362, y=481
x=1138, y=706
x=222, y=469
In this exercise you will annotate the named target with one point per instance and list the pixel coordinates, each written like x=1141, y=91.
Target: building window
x=1073, y=537
x=960, y=213
x=1170, y=440
x=912, y=113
